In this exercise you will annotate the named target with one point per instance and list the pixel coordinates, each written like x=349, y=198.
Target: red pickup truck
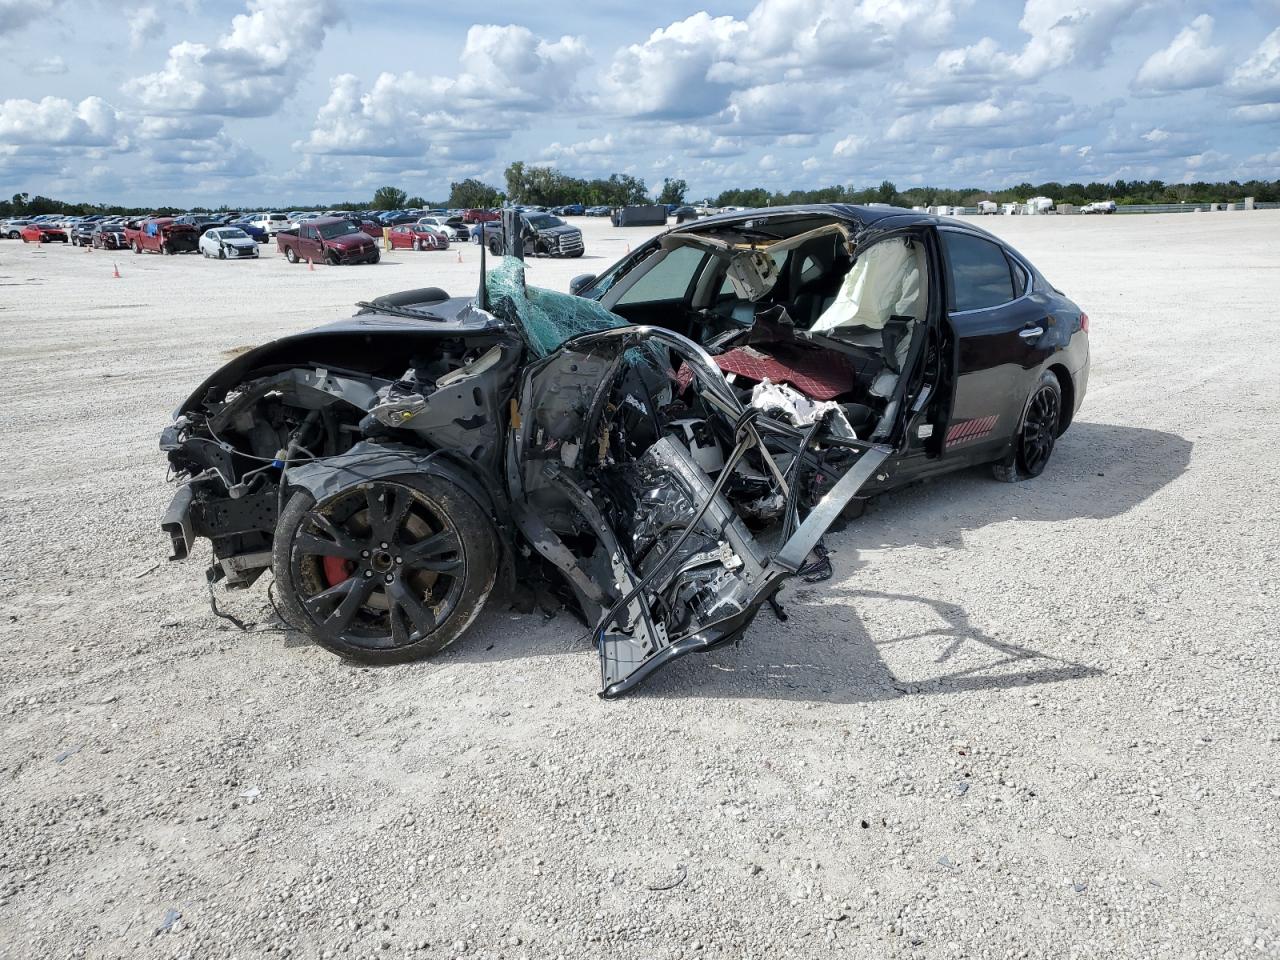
x=333, y=240
x=162, y=235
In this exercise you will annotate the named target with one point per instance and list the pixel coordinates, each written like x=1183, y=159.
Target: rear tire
x=290, y=254
x=1037, y=433
x=385, y=571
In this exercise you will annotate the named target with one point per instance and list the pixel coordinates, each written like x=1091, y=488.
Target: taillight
x=1084, y=321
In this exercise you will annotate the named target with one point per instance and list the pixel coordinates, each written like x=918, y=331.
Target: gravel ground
x=1023, y=721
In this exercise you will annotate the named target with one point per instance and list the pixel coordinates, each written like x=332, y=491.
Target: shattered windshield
x=548, y=318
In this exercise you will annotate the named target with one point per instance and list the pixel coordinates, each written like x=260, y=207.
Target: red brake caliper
x=336, y=569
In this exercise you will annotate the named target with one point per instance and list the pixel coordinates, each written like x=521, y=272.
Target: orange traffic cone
x=311, y=265
x=115, y=270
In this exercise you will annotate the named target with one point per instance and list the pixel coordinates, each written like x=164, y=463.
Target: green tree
x=389, y=198
x=886, y=192
x=471, y=193
x=416, y=203
x=673, y=191
x=514, y=177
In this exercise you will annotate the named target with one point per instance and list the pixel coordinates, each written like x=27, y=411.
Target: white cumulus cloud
x=1257, y=80
x=1191, y=61
x=246, y=72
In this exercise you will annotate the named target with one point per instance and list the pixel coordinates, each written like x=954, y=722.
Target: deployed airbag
x=883, y=282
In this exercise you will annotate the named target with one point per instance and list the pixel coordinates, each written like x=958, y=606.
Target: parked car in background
x=252, y=229
x=332, y=240
x=12, y=229
x=82, y=233
x=684, y=214
x=418, y=236
x=43, y=233
x=162, y=235
x=228, y=243
x=201, y=221
x=544, y=234
x=108, y=235
x=454, y=231
x=1099, y=206
x=270, y=223
x=479, y=216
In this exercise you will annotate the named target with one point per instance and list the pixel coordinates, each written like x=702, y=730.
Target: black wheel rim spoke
x=349, y=595
x=403, y=601
x=432, y=552
x=388, y=507
x=330, y=541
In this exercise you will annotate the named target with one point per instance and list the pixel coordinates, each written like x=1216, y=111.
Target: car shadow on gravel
x=825, y=651
x=1098, y=471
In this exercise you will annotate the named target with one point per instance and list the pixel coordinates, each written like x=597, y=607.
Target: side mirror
x=581, y=282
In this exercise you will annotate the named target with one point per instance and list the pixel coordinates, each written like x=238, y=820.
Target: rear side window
x=1020, y=277
x=979, y=273
x=668, y=280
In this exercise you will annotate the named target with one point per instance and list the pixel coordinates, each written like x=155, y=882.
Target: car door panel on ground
x=1000, y=326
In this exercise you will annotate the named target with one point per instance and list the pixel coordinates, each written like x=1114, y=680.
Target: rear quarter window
x=978, y=272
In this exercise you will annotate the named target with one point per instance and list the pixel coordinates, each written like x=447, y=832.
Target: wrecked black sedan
x=661, y=452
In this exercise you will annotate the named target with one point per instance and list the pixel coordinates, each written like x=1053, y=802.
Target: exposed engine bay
x=395, y=470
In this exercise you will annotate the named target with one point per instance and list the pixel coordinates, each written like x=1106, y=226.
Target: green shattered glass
x=548, y=318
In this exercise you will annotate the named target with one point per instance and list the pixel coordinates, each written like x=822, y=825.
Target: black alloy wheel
x=385, y=571
x=1037, y=433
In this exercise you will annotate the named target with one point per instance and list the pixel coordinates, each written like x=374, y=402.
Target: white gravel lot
x=1036, y=720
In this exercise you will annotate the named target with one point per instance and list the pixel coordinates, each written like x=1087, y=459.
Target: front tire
x=1037, y=433
x=385, y=571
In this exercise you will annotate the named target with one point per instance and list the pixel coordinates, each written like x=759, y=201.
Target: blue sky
x=252, y=101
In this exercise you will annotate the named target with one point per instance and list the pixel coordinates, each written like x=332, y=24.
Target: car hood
x=559, y=231
x=350, y=240
x=239, y=241
x=447, y=318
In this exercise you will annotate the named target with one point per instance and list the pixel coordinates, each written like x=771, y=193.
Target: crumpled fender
x=375, y=461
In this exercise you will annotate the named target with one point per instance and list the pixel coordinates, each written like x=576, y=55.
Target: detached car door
x=999, y=326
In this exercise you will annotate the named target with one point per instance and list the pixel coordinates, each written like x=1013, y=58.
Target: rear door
x=999, y=327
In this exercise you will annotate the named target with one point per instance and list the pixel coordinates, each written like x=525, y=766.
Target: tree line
x=546, y=186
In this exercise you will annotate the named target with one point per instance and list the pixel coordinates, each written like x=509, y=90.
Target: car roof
x=880, y=217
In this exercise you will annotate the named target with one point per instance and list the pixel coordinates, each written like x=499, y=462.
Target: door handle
x=1028, y=333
